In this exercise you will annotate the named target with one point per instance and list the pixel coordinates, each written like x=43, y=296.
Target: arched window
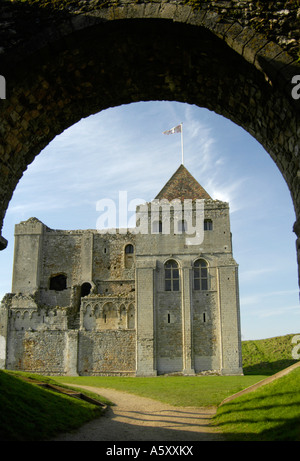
x=208, y=225
x=129, y=249
x=200, y=275
x=58, y=282
x=171, y=276
x=129, y=252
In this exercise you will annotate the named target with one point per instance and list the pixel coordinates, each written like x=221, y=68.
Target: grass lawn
x=175, y=390
x=30, y=413
x=270, y=413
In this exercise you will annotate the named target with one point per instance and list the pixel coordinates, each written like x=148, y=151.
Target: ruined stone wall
x=81, y=256
x=111, y=352
x=27, y=256
x=113, y=268
x=39, y=340
x=54, y=331
x=38, y=352
x=61, y=254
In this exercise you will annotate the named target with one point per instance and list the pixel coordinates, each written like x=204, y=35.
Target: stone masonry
x=160, y=298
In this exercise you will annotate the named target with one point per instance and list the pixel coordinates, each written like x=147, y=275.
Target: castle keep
x=151, y=300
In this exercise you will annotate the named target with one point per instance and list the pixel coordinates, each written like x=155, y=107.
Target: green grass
x=31, y=413
x=267, y=356
x=271, y=413
x=197, y=391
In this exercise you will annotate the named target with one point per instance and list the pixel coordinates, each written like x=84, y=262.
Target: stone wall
x=38, y=352
x=168, y=333
x=40, y=340
x=111, y=271
x=107, y=352
x=276, y=20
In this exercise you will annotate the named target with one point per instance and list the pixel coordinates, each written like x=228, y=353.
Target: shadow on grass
x=268, y=368
x=32, y=413
x=261, y=418
x=286, y=431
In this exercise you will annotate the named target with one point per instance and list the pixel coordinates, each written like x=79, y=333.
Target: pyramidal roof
x=182, y=185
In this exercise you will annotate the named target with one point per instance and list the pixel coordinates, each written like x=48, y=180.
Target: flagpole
x=176, y=129
x=181, y=143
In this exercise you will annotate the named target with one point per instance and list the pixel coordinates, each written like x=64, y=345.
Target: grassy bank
x=267, y=356
x=271, y=413
x=29, y=412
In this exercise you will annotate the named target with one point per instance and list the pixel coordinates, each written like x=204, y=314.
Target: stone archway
x=76, y=62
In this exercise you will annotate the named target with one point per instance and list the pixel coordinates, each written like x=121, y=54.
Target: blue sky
x=123, y=149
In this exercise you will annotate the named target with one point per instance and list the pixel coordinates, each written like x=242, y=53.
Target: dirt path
x=136, y=418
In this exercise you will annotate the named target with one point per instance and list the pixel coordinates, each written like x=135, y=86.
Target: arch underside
x=124, y=61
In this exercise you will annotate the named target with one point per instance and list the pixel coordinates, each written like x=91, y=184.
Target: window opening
x=208, y=225
x=129, y=256
x=200, y=275
x=171, y=276
x=58, y=282
x=129, y=249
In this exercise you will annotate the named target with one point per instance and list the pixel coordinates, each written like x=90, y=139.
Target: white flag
x=176, y=129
